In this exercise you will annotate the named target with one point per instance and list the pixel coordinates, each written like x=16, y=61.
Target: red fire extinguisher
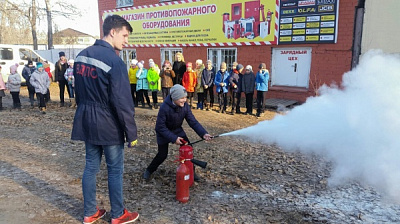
x=182, y=182
x=186, y=153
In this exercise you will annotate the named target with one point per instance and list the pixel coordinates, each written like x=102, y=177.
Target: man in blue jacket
x=169, y=126
x=104, y=119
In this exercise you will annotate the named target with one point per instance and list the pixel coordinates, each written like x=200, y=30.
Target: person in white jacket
x=41, y=82
x=14, y=85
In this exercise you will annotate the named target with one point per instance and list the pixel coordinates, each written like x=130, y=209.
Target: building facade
x=304, y=43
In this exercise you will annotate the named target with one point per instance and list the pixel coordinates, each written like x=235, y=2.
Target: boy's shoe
x=146, y=175
x=196, y=178
x=98, y=215
x=127, y=217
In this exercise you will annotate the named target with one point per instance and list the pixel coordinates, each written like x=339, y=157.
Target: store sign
x=308, y=21
x=202, y=23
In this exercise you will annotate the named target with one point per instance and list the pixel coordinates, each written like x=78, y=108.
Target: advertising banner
x=308, y=21
x=202, y=23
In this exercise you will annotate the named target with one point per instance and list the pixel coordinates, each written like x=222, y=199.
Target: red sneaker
x=98, y=215
x=127, y=217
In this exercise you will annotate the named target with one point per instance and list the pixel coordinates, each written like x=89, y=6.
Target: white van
x=12, y=54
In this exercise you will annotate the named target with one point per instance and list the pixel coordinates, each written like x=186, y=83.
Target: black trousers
x=210, y=91
x=161, y=156
x=249, y=103
x=238, y=98
x=31, y=91
x=134, y=94
x=154, y=96
x=144, y=94
x=234, y=101
x=16, y=100
x=200, y=97
x=42, y=102
x=223, y=101
x=260, y=102
x=165, y=92
x=62, y=84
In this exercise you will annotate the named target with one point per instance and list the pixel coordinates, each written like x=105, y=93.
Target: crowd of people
x=202, y=81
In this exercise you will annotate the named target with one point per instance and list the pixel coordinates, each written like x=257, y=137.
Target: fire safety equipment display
x=308, y=21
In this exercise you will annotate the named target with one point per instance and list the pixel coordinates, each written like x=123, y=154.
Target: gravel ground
x=244, y=182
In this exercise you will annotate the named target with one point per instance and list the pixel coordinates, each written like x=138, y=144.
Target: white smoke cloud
x=356, y=126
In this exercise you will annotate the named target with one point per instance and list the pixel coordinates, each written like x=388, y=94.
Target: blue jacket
x=222, y=78
x=142, y=82
x=262, y=81
x=169, y=122
x=105, y=113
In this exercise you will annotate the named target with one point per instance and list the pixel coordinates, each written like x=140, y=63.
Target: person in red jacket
x=189, y=81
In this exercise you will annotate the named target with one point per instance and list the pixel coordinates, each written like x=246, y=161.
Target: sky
x=88, y=22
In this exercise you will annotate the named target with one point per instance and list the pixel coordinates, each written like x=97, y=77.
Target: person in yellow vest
x=133, y=80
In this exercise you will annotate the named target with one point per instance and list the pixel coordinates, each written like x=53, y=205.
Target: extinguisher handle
x=184, y=142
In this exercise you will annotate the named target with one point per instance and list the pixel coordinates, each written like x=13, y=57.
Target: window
x=218, y=55
x=127, y=55
x=26, y=54
x=6, y=54
x=169, y=54
x=124, y=3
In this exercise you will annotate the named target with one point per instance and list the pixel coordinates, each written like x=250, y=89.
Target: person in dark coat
x=104, y=118
x=248, y=84
x=169, y=126
x=234, y=87
x=179, y=68
x=26, y=73
x=239, y=68
x=207, y=80
x=59, y=71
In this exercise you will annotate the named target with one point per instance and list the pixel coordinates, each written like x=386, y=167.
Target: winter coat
x=59, y=70
x=40, y=81
x=169, y=122
x=2, y=84
x=105, y=113
x=207, y=77
x=179, y=68
x=142, y=82
x=248, y=83
x=26, y=73
x=14, y=82
x=132, y=75
x=234, y=81
x=153, y=77
x=221, y=78
x=199, y=87
x=69, y=76
x=167, y=75
x=262, y=80
x=189, y=81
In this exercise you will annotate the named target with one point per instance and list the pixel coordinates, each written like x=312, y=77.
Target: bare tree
x=49, y=25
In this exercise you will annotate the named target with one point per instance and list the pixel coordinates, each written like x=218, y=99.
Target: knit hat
x=239, y=66
x=189, y=64
x=223, y=65
x=13, y=68
x=151, y=64
x=248, y=67
x=61, y=53
x=140, y=65
x=39, y=65
x=30, y=62
x=71, y=61
x=142, y=62
x=177, y=92
x=262, y=66
x=134, y=61
x=151, y=60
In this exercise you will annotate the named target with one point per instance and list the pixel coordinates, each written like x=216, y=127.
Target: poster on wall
x=308, y=21
x=202, y=23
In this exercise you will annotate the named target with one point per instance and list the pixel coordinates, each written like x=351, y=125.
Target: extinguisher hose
x=192, y=143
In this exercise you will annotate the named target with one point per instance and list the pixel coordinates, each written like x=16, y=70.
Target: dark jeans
x=62, y=84
x=260, y=102
x=249, y=103
x=16, y=100
x=161, y=156
x=234, y=101
x=223, y=101
x=210, y=91
x=165, y=92
x=200, y=97
x=134, y=94
x=238, y=98
x=71, y=91
x=42, y=102
x=154, y=96
x=190, y=98
x=31, y=91
x=144, y=94
x=47, y=96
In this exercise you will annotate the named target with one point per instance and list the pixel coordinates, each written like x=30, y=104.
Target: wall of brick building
x=329, y=61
